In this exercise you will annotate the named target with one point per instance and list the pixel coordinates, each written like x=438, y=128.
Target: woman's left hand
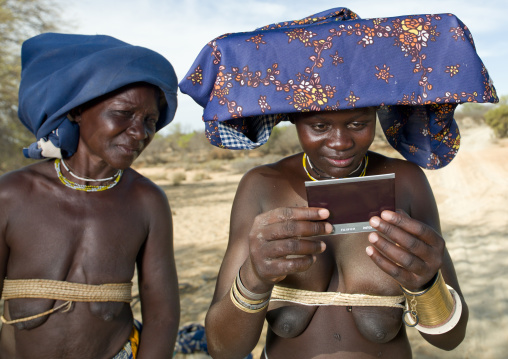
x=406, y=249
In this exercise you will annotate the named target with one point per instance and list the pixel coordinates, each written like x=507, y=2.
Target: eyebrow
x=353, y=117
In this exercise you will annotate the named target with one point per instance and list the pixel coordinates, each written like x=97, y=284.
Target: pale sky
x=179, y=29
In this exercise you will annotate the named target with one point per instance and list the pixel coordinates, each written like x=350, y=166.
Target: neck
x=358, y=172
x=99, y=186
x=89, y=172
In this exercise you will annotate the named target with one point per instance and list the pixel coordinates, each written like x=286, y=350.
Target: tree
x=19, y=20
x=497, y=118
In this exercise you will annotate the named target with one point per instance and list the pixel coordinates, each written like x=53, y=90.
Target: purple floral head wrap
x=414, y=68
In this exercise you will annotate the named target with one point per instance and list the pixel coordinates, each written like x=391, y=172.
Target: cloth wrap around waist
x=307, y=297
x=62, y=290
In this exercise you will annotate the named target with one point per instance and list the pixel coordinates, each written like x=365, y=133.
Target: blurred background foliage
x=19, y=20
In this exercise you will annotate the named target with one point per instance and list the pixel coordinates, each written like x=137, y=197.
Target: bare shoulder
x=406, y=172
x=144, y=190
x=270, y=186
x=413, y=191
x=22, y=182
x=272, y=173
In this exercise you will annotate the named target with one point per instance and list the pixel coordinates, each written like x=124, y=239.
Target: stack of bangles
x=435, y=310
x=245, y=300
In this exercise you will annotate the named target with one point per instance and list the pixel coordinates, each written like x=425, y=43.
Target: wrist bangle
x=247, y=293
x=434, y=310
x=243, y=304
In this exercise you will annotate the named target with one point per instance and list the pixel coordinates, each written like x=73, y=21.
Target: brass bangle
x=246, y=307
x=247, y=293
x=244, y=299
x=421, y=292
x=431, y=307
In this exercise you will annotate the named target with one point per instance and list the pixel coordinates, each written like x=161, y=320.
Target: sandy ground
x=472, y=195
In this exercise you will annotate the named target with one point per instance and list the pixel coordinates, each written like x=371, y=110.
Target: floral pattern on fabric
x=332, y=61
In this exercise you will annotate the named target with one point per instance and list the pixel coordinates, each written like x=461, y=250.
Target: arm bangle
x=239, y=302
x=435, y=310
x=247, y=293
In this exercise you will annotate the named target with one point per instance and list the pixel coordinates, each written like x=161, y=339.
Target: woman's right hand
x=278, y=245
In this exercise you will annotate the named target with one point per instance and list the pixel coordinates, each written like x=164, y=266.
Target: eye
x=121, y=114
x=151, y=121
x=319, y=127
x=357, y=125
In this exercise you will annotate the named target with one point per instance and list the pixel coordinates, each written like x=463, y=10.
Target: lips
x=131, y=149
x=340, y=162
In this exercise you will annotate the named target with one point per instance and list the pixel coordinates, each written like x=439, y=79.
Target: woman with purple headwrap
x=342, y=294
x=75, y=226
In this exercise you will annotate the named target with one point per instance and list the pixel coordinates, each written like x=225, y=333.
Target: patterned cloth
x=130, y=350
x=62, y=71
x=415, y=68
x=191, y=338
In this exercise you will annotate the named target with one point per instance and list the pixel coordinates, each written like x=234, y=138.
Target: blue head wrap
x=414, y=68
x=62, y=71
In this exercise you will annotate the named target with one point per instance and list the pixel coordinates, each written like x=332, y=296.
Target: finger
x=296, y=214
x=400, y=237
x=295, y=229
x=400, y=274
x=404, y=277
x=398, y=255
x=404, y=239
x=291, y=222
x=283, y=248
x=286, y=266
x=418, y=229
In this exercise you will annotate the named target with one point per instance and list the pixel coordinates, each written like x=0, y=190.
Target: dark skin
x=270, y=220
x=50, y=231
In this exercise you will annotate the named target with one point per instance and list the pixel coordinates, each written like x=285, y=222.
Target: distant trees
x=497, y=118
x=19, y=20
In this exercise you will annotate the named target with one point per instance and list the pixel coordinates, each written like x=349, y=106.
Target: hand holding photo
x=353, y=201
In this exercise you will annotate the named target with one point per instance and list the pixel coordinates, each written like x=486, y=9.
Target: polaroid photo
x=353, y=201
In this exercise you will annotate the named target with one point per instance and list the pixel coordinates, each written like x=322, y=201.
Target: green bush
x=497, y=119
x=200, y=176
x=283, y=141
x=178, y=178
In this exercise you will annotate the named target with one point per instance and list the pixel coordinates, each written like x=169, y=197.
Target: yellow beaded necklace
x=82, y=187
x=304, y=161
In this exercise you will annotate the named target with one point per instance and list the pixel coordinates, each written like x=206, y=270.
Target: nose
x=339, y=140
x=138, y=129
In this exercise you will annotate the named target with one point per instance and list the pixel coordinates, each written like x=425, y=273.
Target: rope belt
x=307, y=297
x=61, y=290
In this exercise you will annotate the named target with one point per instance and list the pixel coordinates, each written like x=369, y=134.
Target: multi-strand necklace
x=85, y=188
x=304, y=161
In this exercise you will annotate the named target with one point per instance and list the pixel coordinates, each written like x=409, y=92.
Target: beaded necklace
x=304, y=160
x=88, y=179
x=82, y=187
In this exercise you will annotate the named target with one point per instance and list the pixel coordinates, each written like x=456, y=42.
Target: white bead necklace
x=88, y=179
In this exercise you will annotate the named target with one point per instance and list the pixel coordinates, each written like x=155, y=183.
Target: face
x=336, y=141
x=118, y=128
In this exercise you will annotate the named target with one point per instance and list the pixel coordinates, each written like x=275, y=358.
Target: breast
x=106, y=311
x=377, y=324
x=358, y=274
x=343, y=267
x=289, y=321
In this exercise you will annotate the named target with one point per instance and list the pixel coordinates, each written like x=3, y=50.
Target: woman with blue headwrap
x=74, y=227
x=342, y=294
